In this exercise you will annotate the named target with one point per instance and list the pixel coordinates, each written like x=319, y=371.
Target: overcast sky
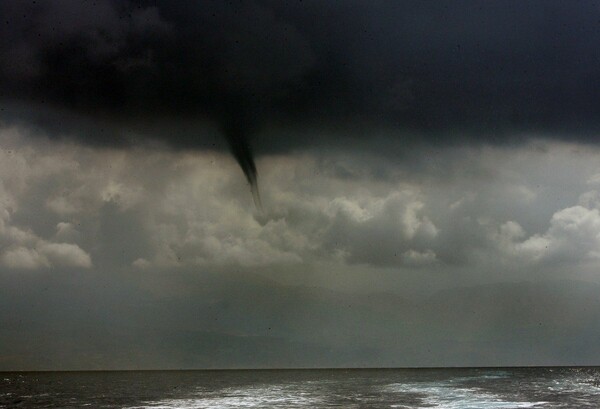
x=258, y=183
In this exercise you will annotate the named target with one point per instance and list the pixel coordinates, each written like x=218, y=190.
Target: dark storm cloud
x=443, y=72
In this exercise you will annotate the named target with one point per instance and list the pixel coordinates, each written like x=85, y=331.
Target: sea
x=324, y=388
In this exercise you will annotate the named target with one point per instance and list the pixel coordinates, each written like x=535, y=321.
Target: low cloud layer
x=76, y=206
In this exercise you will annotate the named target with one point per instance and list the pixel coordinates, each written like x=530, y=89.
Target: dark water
x=377, y=388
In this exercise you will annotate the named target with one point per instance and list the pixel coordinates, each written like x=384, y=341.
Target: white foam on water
x=448, y=396
x=495, y=375
x=582, y=384
x=252, y=397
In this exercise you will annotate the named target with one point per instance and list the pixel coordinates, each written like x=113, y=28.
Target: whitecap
x=446, y=395
x=251, y=397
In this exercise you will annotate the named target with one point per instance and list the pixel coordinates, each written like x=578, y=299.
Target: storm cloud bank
x=265, y=74
x=431, y=172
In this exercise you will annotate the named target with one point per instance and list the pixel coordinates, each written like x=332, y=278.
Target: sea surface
x=353, y=388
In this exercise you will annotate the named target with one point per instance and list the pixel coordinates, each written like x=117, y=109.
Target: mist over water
x=364, y=388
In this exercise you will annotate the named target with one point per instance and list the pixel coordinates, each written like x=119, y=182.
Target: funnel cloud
x=236, y=130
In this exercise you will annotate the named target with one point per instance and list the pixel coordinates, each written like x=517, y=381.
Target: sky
x=299, y=184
